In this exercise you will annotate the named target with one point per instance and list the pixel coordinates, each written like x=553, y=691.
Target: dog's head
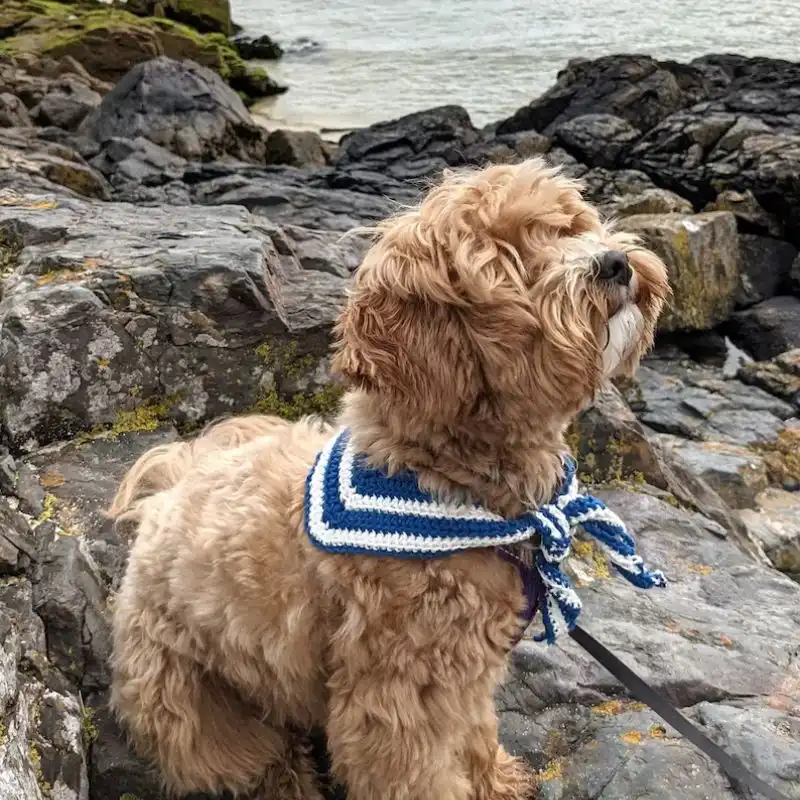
x=502, y=294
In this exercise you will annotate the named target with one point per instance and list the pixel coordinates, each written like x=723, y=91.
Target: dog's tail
x=162, y=467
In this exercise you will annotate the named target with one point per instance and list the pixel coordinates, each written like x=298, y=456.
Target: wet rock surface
x=164, y=261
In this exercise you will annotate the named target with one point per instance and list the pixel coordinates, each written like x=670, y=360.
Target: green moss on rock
x=108, y=40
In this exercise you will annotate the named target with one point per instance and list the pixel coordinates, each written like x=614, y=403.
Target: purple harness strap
x=531, y=588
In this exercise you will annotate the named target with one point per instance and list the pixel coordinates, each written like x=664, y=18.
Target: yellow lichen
x=49, y=505
x=782, y=457
x=657, y=732
x=611, y=708
x=552, y=771
x=90, y=731
x=700, y=569
x=632, y=737
x=51, y=479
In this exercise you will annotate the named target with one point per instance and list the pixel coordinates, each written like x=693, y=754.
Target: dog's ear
x=401, y=332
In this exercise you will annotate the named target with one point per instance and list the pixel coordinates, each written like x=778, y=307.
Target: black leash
x=646, y=694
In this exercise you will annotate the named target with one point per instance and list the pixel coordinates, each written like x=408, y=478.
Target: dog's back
x=163, y=467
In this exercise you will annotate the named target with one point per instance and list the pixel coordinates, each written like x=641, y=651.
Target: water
x=379, y=59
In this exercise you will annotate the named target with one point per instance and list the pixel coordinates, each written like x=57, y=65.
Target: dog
x=480, y=323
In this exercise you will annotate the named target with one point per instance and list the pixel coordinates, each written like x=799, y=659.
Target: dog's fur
x=475, y=331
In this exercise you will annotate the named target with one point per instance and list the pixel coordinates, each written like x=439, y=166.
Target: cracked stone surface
x=722, y=641
x=107, y=305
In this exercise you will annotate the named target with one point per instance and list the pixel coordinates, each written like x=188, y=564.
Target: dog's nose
x=613, y=266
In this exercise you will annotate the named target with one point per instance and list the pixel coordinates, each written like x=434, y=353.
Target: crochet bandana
x=351, y=507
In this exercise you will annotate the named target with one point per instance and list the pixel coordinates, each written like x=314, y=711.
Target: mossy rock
x=108, y=41
x=205, y=16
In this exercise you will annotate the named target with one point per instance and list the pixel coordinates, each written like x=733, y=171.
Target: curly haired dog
x=478, y=326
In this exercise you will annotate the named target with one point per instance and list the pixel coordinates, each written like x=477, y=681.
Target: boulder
x=257, y=48
x=745, y=138
x=765, y=266
x=66, y=104
x=182, y=107
x=298, y=148
x=767, y=329
x=598, y=140
x=650, y=201
x=112, y=318
x=206, y=16
x=635, y=88
x=412, y=147
x=701, y=252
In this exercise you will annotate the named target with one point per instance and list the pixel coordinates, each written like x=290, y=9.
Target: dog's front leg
x=411, y=714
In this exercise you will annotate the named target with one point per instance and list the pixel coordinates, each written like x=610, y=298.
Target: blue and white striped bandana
x=352, y=507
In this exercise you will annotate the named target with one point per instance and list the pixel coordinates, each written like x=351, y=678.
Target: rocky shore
x=164, y=261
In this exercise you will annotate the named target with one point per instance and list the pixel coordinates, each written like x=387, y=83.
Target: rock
x=750, y=215
x=779, y=376
x=412, y=147
x=730, y=628
x=66, y=105
x=745, y=138
x=330, y=201
x=107, y=41
x=13, y=112
x=782, y=456
x=298, y=148
x=81, y=479
x=775, y=524
x=120, y=319
x=71, y=600
x=700, y=405
x=262, y=48
x=767, y=329
x=254, y=84
x=77, y=177
x=17, y=545
x=650, y=201
x=638, y=89
x=182, y=107
x=115, y=771
x=598, y=140
x=701, y=252
x=735, y=472
x=765, y=265
x=138, y=161
x=206, y=16
x=794, y=277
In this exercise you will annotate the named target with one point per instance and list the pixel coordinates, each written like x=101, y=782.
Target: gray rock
x=775, y=523
x=66, y=105
x=82, y=478
x=119, y=318
x=138, y=161
x=13, y=113
x=701, y=406
x=730, y=629
x=701, y=252
x=767, y=329
x=17, y=545
x=650, y=201
x=765, y=265
x=78, y=177
x=735, y=472
x=181, y=106
x=779, y=377
x=298, y=148
x=70, y=597
x=598, y=140
x=750, y=215
x=636, y=88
